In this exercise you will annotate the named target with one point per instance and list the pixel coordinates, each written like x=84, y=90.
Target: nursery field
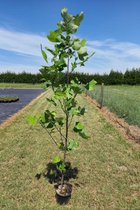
x=108, y=166
x=20, y=85
x=124, y=100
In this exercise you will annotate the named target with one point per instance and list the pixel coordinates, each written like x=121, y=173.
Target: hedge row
x=130, y=77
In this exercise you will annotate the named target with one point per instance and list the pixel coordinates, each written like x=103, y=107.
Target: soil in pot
x=63, y=194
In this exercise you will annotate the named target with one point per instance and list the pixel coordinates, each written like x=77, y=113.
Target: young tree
x=68, y=53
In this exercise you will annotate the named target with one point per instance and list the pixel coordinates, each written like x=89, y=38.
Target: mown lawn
x=109, y=169
x=124, y=100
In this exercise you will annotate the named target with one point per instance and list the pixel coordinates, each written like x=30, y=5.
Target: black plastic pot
x=64, y=191
x=63, y=195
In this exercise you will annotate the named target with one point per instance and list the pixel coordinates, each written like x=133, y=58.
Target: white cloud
x=109, y=53
x=20, y=42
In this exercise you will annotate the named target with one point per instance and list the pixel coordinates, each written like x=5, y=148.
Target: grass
x=20, y=85
x=8, y=98
x=109, y=169
x=123, y=100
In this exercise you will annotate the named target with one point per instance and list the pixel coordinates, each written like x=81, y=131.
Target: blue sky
x=111, y=27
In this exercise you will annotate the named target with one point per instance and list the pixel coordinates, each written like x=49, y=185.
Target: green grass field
x=20, y=85
x=123, y=100
x=109, y=169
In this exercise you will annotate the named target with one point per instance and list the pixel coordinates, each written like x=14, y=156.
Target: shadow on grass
x=53, y=175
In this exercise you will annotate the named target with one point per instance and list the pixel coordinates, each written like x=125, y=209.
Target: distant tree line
x=129, y=77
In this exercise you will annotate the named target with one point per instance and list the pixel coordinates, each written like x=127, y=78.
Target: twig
x=49, y=134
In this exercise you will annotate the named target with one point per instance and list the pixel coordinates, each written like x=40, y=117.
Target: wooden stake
x=102, y=95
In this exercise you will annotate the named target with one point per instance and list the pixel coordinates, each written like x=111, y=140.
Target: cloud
x=109, y=53
x=112, y=54
x=20, y=42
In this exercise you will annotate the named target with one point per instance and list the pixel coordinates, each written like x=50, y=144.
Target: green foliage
x=32, y=120
x=73, y=144
x=67, y=54
x=129, y=77
x=56, y=159
x=90, y=85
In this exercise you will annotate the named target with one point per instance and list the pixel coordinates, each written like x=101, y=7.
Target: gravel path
x=25, y=96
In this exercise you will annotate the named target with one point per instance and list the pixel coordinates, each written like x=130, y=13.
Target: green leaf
x=78, y=127
x=53, y=52
x=56, y=159
x=61, y=146
x=82, y=111
x=64, y=12
x=60, y=121
x=78, y=18
x=74, y=111
x=72, y=28
x=73, y=144
x=83, y=134
x=51, y=101
x=76, y=45
x=61, y=167
x=74, y=65
x=44, y=54
x=50, y=125
x=76, y=87
x=83, y=42
x=32, y=120
x=53, y=36
x=82, y=53
x=59, y=94
x=90, y=85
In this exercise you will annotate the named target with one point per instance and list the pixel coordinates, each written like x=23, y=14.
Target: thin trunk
x=67, y=128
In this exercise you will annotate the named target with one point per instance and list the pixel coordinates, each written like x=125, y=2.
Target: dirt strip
x=8, y=121
x=129, y=131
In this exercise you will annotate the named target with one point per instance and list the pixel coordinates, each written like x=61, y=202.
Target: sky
x=111, y=27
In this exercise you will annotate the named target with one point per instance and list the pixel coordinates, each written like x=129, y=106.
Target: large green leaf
x=60, y=94
x=83, y=42
x=76, y=45
x=75, y=86
x=32, y=120
x=53, y=36
x=61, y=167
x=82, y=110
x=83, y=134
x=74, y=111
x=64, y=12
x=78, y=127
x=90, y=86
x=56, y=159
x=82, y=53
x=60, y=120
x=78, y=18
x=72, y=28
x=73, y=144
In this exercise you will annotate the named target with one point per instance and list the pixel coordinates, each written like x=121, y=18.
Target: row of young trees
x=130, y=77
